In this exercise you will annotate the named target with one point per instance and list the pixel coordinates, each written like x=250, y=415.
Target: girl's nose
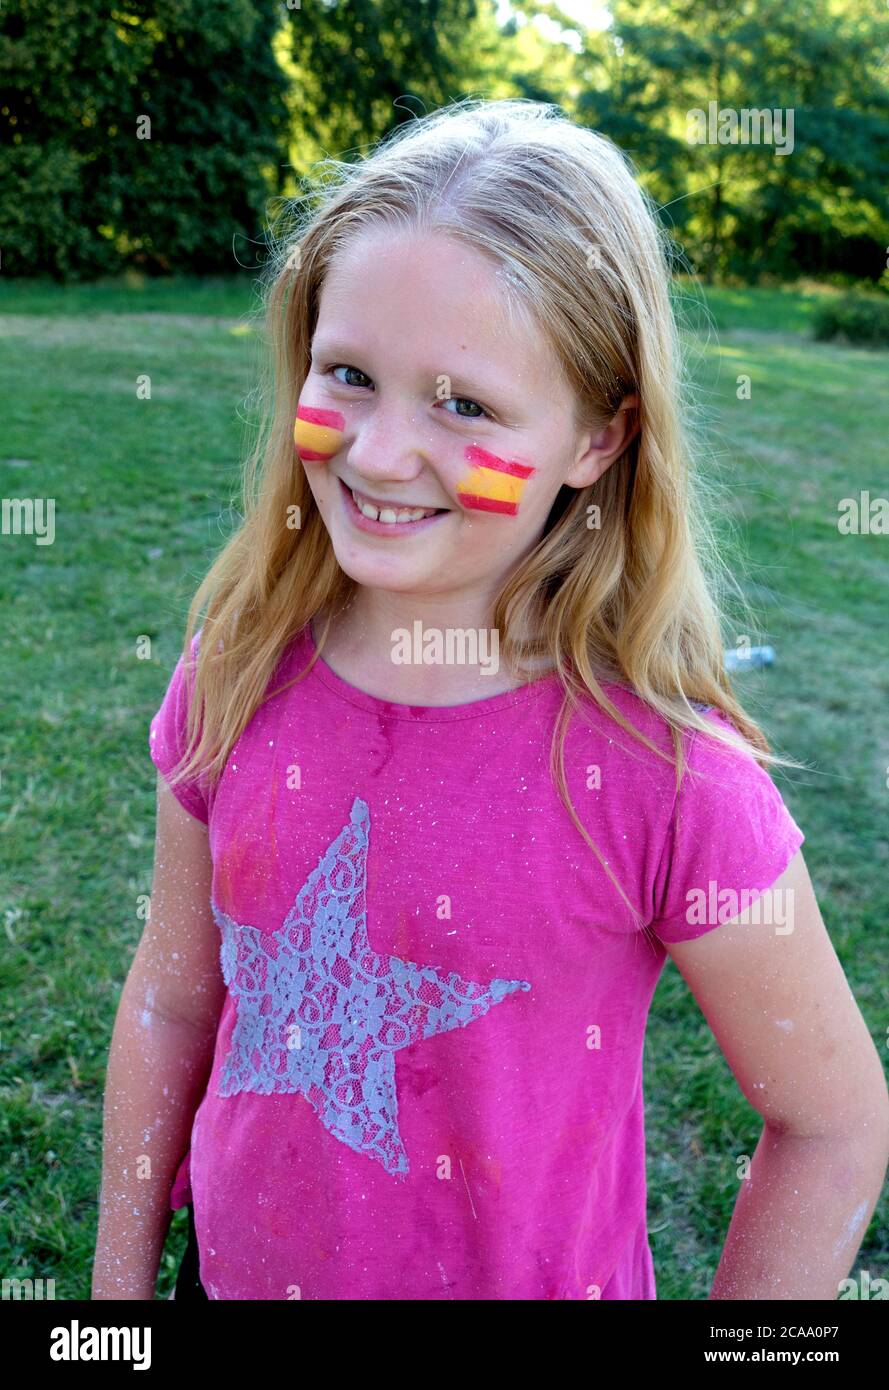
x=389, y=443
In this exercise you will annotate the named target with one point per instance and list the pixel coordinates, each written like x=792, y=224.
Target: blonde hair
x=585, y=262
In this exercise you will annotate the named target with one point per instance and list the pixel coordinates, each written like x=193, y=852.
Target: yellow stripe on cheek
x=317, y=439
x=486, y=482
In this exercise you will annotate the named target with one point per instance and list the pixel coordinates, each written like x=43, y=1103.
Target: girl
x=450, y=769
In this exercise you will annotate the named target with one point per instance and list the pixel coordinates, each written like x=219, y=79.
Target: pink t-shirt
x=427, y=1080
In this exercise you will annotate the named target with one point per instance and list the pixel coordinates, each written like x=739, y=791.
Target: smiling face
x=434, y=435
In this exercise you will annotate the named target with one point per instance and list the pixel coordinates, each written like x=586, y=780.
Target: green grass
x=142, y=490
x=133, y=293
x=780, y=310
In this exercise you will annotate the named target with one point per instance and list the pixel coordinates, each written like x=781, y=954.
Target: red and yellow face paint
x=493, y=484
x=318, y=434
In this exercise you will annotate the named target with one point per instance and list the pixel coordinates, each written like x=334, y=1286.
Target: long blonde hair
x=634, y=601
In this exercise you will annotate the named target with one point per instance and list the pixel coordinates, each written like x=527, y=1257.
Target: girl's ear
x=598, y=450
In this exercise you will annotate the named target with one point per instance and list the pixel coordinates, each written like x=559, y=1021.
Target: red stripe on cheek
x=488, y=504
x=331, y=419
x=482, y=459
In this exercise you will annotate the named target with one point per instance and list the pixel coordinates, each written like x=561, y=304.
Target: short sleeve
x=168, y=738
x=730, y=838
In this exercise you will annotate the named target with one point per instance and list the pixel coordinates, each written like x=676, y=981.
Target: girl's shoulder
x=649, y=720
x=722, y=783
x=642, y=716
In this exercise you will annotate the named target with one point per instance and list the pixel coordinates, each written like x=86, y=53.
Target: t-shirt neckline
x=473, y=709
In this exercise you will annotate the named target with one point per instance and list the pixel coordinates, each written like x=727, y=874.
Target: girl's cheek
x=318, y=434
x=492, y=484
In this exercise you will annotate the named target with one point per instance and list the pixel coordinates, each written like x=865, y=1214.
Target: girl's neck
x=377, y=642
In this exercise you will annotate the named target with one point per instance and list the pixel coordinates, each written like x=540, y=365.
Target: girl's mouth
x=386, y=518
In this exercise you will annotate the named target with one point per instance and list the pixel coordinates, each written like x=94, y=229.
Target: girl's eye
x=460, y=400
x=341, y=368
x=482, y=413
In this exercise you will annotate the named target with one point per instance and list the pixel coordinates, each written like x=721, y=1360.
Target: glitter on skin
x=853, y=1221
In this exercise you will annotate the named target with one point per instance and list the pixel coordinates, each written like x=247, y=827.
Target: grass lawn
x=142, y=494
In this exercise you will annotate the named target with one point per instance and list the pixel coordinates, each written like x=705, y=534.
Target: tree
x=151, y=133
x=361, y=68
x=740, y=207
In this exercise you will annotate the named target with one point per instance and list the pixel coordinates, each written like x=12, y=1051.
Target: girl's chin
x=388, y=574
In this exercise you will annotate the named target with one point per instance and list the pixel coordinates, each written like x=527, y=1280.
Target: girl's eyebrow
x=322, y=347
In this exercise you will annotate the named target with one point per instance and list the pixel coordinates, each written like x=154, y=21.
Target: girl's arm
x=160, y=1058
x=781, y=1010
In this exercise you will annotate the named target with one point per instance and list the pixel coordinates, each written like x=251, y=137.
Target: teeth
x=390, y=515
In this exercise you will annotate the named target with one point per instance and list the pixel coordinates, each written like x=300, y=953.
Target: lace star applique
x=320, y=1013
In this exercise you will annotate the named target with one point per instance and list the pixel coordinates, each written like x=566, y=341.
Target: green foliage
x=150, y=135
x=360, y=69
x=741, y=209
x=855, y=318
x=245, y=96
